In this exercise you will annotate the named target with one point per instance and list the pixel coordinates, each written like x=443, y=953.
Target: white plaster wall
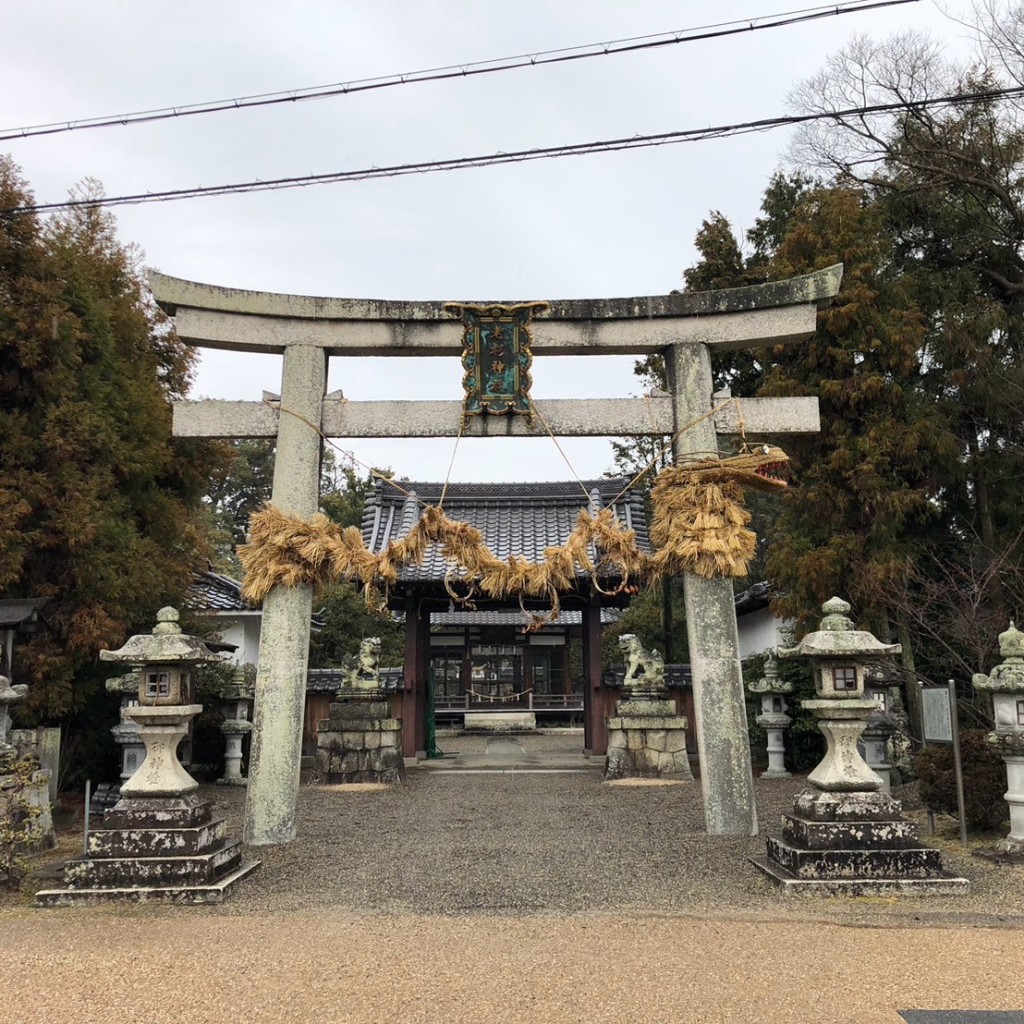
x=244, y=632
x=760, y=630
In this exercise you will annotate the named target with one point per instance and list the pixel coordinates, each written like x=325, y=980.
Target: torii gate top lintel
x=774, y=313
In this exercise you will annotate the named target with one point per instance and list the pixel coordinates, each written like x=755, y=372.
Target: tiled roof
x=210, y=591
x=515, y=519
x=18, y=611
x=754, y=599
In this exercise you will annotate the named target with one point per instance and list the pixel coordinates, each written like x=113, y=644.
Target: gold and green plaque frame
x=496, y=357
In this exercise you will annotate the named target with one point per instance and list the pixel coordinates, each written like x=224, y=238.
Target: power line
x=648, y=42
x=519, y=156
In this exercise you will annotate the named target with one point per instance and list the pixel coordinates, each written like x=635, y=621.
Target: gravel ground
x=501, y=895
x=499, y=840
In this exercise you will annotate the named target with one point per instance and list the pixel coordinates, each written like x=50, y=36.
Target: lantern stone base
x=360, y=742
x=853, y=844
x=647, y=740
x=161, y=848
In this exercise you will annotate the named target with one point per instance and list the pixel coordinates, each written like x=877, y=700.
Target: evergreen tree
x=96, y=502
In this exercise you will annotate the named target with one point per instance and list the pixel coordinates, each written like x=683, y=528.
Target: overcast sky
x=619, y=224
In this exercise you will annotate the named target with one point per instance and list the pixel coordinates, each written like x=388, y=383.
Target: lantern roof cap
x=164, y=645
x=1007, y=677
x=770, y=681
x=836, y=637
x=1011, y=643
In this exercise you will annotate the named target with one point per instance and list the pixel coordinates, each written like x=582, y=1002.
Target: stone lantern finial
x=1011, y=643
x=167, y=621
x=837, y=613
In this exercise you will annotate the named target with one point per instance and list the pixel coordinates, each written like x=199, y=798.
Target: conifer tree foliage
x=96, y=503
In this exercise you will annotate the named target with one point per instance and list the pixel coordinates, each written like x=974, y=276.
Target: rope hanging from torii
x=699, y=526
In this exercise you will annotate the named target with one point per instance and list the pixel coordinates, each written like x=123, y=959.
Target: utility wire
x=450, y=71
x=518, y=156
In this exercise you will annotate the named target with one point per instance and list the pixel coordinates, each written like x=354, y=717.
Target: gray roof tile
x=515, y=519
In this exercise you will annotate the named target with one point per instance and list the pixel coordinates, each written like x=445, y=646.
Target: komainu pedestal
x=361, y=742
x=845, y=837
x=646, y=738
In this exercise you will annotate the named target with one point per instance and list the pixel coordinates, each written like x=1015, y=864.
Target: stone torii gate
x=307, y=330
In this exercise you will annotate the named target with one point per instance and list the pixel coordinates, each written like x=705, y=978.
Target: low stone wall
x=360, y=742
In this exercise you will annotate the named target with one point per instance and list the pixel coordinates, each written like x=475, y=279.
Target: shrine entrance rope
x=699, y=526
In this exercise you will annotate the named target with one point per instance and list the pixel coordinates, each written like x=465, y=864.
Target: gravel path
x=507, y=895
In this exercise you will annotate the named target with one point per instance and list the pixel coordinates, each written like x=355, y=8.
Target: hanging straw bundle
x=699, y=526
x=699, y=523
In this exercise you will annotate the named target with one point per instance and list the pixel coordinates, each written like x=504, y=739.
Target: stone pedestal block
x=169, y=849
x=647, y=739
x=853, y=844
x=360, y=742
x=32, y=798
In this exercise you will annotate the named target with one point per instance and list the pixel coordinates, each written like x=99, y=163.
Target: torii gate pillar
x=719, y=701
x=284, y=634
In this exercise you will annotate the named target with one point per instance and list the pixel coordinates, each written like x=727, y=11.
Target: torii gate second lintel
x=307, y=330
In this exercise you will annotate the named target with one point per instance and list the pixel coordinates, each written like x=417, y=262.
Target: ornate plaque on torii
x=307, y=330
x=496, y=357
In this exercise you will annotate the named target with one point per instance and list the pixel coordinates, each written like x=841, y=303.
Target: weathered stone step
x=116, y=872
x=213, y=892
x=919, y=862
x=849, y=835
x=945, y=885
x=156, y=842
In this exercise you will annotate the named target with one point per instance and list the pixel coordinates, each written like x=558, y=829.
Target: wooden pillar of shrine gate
x=719, y=698
x=415, y=668
x=595, y=731
x=307, y=329
x=280, y=699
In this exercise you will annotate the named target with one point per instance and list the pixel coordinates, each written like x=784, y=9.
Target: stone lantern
x=882, y=723
x=126, y=733
x=844, y=835
x=165, y=659
x=160, y=840
x=1006, y=685
x=236, y=726
x=773, y=718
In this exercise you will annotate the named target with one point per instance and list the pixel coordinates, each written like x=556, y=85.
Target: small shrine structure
x=498, y=664
x=684, y=328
